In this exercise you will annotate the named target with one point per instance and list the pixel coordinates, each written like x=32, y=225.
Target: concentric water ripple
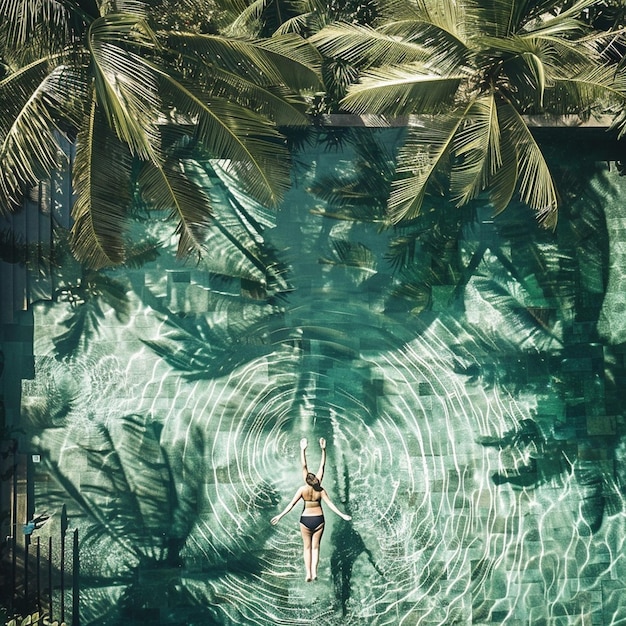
x=433, y=540
x=466, y=507
x=431, y=532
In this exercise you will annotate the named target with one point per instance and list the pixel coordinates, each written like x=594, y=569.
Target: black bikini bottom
x=312, y=522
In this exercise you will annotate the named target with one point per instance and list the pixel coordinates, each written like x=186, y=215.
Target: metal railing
x=40, y=556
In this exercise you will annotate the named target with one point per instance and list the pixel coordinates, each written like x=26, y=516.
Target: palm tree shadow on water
x=575, y=380
x=331, y=350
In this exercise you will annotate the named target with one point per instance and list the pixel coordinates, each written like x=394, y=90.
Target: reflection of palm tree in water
x=324, y=372
x=547, y=456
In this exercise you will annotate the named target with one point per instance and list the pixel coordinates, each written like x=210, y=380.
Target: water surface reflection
x=472, y=412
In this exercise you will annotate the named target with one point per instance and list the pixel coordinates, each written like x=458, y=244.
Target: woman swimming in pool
x=312, y=518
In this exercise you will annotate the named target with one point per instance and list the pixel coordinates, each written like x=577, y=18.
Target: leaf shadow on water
x=122, y=486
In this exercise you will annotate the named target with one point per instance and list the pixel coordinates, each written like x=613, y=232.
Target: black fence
x=40, y=557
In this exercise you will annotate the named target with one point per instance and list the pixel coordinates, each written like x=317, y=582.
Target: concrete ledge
x=538, y=121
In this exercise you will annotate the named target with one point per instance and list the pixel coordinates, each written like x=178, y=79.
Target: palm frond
x=445, y=49
x=426, y=152
x=451, y=18
x=126, y=86
x=560, y=22
x=297, y=24
x=535, y=181
x=29, y=133
x=282, y=60
x=102, y=186
x=250, y=144
x=263, y=18
x=247, y=21
x=166, y=187
x=276, y=103
x=138, y=8
x=411, y=88
x=552, y=51
x=530, y=77
x=503, y=182
x=366, y=46
x=597, y=85
x=498, y=19
x=51, y=21
x=476, y=149
x=298, y=62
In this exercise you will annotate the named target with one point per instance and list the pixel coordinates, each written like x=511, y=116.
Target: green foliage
x=111, y=79
x=472, y=71
x=268, y=18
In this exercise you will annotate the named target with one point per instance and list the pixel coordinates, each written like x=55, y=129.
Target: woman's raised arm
x=303, y=445
x=320, y=471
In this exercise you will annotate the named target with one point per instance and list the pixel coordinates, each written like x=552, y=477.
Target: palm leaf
x=166, y=187
x=449, y=17
x=535, y=181
x=247, y=20
x=412, y=88
x=282, y=60
x=273, y=102
x=49, y=20
x=30, y=146
x=102, y=164
x=295, y=25
x=563, y=21
x=503, y=182
x=585, y=89
x=366, y=46
x=250, y=144
x=446, y=50
x=425, y=152
x=297, y=63
x=255, y=155
x=476, y=150
x=263, y=17
x=126, y=86
x=238, y=247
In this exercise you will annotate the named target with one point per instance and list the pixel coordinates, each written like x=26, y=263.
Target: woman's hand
x=346, y=517
x=275, y=520
x=322, y=443
x=303, y=443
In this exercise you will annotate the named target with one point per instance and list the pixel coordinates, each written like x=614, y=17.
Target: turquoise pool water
x=467, y=372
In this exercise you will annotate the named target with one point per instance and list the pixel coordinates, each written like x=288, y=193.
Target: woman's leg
x=306, y=540
x=315, y=550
